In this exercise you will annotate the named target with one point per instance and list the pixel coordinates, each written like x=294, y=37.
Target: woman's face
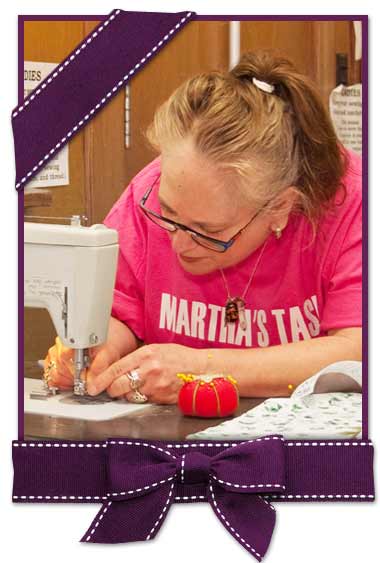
x=193, y=192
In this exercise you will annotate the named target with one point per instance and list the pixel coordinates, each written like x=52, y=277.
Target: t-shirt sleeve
x=128, y=301
x=343, y=288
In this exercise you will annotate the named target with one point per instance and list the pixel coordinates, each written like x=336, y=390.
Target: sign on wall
x=346, y=113
x=56, y=172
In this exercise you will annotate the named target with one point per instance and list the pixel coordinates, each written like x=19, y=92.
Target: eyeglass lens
x=196, y=238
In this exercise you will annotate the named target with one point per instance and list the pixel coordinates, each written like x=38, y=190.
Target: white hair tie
x=264, y=86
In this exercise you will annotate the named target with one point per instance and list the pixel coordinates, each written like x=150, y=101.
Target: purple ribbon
x=138, y=480
x=90, y=76
x=144, y=480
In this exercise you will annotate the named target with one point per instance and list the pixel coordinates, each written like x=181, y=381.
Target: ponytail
x=270, y=138
x=322, y=161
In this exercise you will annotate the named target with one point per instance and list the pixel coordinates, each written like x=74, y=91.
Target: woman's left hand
x=157, y=366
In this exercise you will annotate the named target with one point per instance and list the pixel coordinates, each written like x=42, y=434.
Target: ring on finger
x=137, y=397
x=48, y=384
x=134, y=379
x=47, y=372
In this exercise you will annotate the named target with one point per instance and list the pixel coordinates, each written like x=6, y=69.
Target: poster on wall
x=56, y=172
x=346, y=114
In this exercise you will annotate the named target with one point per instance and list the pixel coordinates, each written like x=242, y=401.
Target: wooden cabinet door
x=109, y=164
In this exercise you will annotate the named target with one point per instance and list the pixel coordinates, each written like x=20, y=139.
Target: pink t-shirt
x=301, y=289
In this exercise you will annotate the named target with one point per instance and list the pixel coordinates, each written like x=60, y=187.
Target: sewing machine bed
x=67, y=405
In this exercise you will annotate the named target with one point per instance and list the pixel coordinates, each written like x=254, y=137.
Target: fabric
x=307, y=414
x=302, y=288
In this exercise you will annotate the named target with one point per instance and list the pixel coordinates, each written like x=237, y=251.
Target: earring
x=278, y=232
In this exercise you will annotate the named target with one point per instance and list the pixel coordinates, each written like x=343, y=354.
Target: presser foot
x=44, y=393
x=80, y=388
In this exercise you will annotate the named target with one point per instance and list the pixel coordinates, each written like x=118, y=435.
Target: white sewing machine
x=70, y=271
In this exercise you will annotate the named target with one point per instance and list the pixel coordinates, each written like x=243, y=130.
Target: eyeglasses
x=203, y=240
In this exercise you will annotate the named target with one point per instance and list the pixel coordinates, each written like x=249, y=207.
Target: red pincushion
x=216, y=397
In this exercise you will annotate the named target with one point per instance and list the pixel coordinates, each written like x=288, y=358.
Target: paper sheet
x=62, y=405
x=56, y=172
x=303, y=415
x=346, y=113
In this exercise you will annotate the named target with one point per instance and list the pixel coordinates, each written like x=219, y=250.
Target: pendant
x=235, y=311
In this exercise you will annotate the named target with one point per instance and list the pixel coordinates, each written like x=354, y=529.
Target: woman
x=240, y=245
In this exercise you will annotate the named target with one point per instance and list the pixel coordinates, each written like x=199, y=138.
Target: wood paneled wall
x=311, y=45
x=110, y=166
x=51, y=42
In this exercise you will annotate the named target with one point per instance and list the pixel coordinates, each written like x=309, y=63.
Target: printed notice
x=56, y=172
x=346, y=113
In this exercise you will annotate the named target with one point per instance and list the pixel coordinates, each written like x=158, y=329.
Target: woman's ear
x=282, y=207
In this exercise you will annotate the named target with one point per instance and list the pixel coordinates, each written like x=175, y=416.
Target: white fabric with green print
x=316, y=409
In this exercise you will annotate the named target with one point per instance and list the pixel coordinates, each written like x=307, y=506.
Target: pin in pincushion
x=208, y=395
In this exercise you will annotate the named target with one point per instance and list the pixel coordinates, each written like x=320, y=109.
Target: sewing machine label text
x=43, y=287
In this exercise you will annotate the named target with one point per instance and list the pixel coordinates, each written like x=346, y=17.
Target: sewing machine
x=70, y=271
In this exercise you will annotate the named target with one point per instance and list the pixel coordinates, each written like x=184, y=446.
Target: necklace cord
x=251, y=276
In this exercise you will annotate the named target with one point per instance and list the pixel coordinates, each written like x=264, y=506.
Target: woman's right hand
x=60, y=358
x=59, y=366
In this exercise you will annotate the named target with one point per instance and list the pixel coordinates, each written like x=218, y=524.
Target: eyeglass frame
x=225, y=245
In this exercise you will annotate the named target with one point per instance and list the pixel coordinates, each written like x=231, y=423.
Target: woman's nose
x=182, y=242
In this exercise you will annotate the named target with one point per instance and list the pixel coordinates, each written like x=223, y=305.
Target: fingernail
x=91, y=389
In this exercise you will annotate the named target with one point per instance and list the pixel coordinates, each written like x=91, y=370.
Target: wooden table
x=158, y=422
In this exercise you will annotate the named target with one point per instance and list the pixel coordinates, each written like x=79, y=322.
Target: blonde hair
x=279, y=139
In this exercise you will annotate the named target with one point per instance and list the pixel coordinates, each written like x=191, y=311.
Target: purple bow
x=144, y=480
